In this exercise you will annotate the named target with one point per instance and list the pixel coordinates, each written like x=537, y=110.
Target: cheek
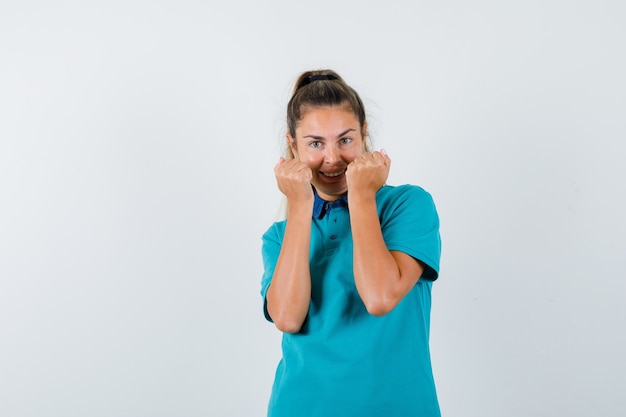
x=311, y=159
x=353, y=153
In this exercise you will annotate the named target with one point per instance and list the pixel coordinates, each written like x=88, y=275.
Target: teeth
x=333, y=174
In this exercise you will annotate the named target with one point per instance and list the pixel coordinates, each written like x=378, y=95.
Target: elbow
x=379, y=306
x=286, y=322
x=378, y=310
x=287, y=319
x=286, y=325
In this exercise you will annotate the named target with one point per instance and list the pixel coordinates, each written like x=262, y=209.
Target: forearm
x=377, y=274
x=289, y=294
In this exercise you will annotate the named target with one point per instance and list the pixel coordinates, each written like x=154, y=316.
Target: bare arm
x=382, y=277
x=289, y=294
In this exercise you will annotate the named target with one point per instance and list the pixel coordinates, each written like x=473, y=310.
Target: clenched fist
x=368, y=172
x=294, y=180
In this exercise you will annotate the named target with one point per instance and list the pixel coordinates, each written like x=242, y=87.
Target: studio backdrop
x=137, y=146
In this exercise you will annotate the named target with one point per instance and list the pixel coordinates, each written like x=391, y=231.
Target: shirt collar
x=321, y=206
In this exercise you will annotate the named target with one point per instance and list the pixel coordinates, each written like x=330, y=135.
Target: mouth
x=333, y=174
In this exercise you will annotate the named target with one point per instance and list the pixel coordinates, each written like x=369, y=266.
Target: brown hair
x=322, y=88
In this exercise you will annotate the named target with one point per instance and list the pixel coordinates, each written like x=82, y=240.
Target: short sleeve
x=270, y=250
x=410, y=224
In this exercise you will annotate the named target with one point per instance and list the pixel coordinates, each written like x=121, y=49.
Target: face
x=327, y=140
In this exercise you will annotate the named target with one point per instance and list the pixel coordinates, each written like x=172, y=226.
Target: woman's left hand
x=368, y=172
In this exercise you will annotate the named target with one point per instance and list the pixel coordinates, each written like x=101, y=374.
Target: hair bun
x=315, y=77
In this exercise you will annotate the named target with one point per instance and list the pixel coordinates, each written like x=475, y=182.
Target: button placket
x=332, y=229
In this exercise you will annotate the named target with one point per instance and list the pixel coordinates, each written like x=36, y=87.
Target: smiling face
x=327, y=140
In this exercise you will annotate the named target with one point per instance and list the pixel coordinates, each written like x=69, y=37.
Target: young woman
x=348, y=274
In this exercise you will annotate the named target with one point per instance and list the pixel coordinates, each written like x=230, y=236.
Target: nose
x=332, y=155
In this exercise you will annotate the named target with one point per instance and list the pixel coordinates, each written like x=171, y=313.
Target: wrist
x=300, y=207
x=361, y=197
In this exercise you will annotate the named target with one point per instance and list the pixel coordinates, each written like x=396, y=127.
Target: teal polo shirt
x=344, y=361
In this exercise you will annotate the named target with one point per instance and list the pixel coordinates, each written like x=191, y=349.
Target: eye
x=315, y=144
x=345, y=141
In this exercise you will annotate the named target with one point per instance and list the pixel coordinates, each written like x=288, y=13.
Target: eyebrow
x=339, y=135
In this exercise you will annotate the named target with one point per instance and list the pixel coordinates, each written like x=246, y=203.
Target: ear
x=291, y=142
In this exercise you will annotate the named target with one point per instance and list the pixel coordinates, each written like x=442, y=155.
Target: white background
x=137, y=142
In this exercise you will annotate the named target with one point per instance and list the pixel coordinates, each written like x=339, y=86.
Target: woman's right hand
x=294, y=180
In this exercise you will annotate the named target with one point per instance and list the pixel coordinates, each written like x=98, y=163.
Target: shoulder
x=390, y=195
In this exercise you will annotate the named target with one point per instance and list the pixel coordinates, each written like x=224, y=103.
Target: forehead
x=327, y=120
